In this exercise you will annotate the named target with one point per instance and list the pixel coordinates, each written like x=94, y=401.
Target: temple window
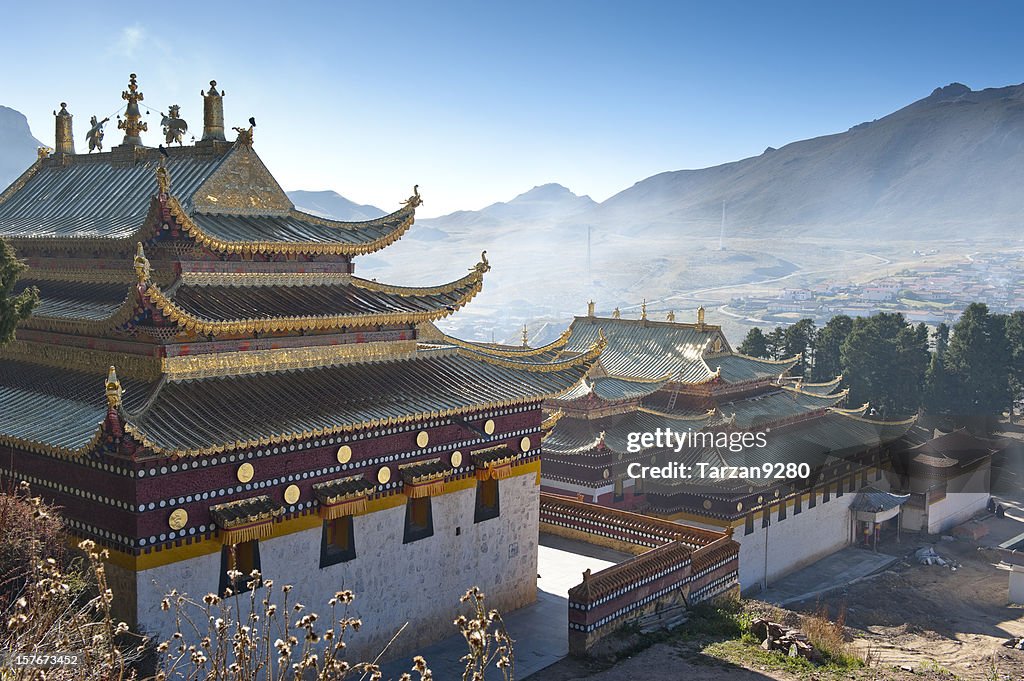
x=419, y=522
x=766, y=516
x=839, y=488
x=798, y=504
x=487, y=500
x=618, y=488
x=782, y=510
x=825, y=492
x=748, y=524
x=244, y=557
x=337, y=543
x=812, y=499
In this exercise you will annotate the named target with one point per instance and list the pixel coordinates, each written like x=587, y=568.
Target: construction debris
x=1016, y=642
x=928, y=556
x=775, y=636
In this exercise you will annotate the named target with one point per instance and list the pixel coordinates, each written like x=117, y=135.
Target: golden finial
x=643, y=309
x=245, y=135
x=213, y=113
x=526, y=337
x=700, y=316
x=671, y=317
x=114, y=391
x=132, y=123
x=43, y=152
x=163, y=180
x=141, y=264
x=414, y=200
x=616, y=314
x=64, y=142
x=590, y=309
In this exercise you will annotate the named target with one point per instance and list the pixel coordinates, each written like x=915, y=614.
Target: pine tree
x=979, y=359
x=827, y=342
x=939, y=384
x=884, y=361
x=798, y=339
x=755, y=344
x=13, y=308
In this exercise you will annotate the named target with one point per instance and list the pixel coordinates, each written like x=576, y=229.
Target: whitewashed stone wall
x=795, y=542
x=959, y=506
x=394, y=583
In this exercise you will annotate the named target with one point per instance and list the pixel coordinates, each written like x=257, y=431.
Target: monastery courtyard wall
x=394, y=583
x=795, y=542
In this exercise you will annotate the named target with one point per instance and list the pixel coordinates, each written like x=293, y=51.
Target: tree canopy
x=13, y=308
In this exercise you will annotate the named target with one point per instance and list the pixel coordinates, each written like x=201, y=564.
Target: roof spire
x=643, y=310
x=526, y=337
x=700, y=317
x=671, y=316
x=590, y=308
x=213, y=113
x=113, y=389
x=132, y=124
x=64, y=143
x=163, y=180
x=616, y=314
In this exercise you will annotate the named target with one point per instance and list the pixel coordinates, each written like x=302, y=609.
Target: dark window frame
x=416, y=531
x=241, y=586
x=483, y=510
x=330, y=552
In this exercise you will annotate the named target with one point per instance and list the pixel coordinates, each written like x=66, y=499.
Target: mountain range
x=17, y=145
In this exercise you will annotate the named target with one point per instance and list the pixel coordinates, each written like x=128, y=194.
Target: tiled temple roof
x=574, y=436
x=824, y=388
x=741, y=368
x=873, y=500
x=768, y=408
x=61, y=412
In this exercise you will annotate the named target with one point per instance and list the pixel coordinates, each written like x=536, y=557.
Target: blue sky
x=479, y=101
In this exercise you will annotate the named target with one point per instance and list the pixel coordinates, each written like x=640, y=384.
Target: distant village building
x=208, y=385
x=658, y=375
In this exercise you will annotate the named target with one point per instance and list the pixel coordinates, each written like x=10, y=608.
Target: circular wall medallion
x=776, y=493
x=383, y=475
x=760, y=500
x=291, y=494
x=422, y=439
x=344, y=454
x=525, y=444
x=739, y=506
x=489, y=426
x=245, y=472
x=456, y=458
x=178, y=519
x=707, y=504
x=606, y=473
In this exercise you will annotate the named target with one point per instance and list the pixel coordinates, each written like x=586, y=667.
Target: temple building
x=207, y=384
x=685, y=377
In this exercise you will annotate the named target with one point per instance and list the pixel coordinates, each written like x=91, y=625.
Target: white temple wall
x=394, y=583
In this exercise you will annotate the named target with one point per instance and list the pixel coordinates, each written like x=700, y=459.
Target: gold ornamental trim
x=178, y=519
x=343, y=508
x=125, y=311
x=243, y=279
x=192, y=323
x=292, y=494
x=321, y=488
x=240, y=535
x=71, y=358
x=124, y=276
x=508, y=352
x=583, y=358
x=293, y=247
x=245, y=362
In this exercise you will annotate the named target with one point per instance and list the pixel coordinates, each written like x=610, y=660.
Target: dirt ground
x=932, y=617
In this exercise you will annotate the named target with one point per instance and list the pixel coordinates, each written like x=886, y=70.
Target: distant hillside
x=546, y=204
x=945, y=166
x=17, y=146
x=333, y=205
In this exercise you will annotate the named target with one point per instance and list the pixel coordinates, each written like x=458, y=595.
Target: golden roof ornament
x=700, y=316
x=671, y=316
x=132, y=124
x=43, y=153
x=141, y=264
x=64, y=142
x=95, y=135
x=213, y=113
x=113, y=390
x=174, y=125
x=483, y=265
x=590, y=308
x=414, y=201
x=245, y=135
x=643, y=309
x=526, y=337
x=616, y=314
x=163, y=180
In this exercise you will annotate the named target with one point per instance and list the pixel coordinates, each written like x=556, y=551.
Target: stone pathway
x=832, y=572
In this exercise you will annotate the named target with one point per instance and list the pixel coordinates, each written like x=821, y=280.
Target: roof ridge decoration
x=559, y=342
x=791, y=360
x=710, y=413
x=241, y=185
x=592, y=353
x=806, y=384
x=845, y=414
x=172, y=311
x=799, y=391
x=854, y=411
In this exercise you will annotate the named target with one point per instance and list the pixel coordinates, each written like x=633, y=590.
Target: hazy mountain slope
x=333, y=205
x=17, y=146
x=546, y=204
x=941, y=165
